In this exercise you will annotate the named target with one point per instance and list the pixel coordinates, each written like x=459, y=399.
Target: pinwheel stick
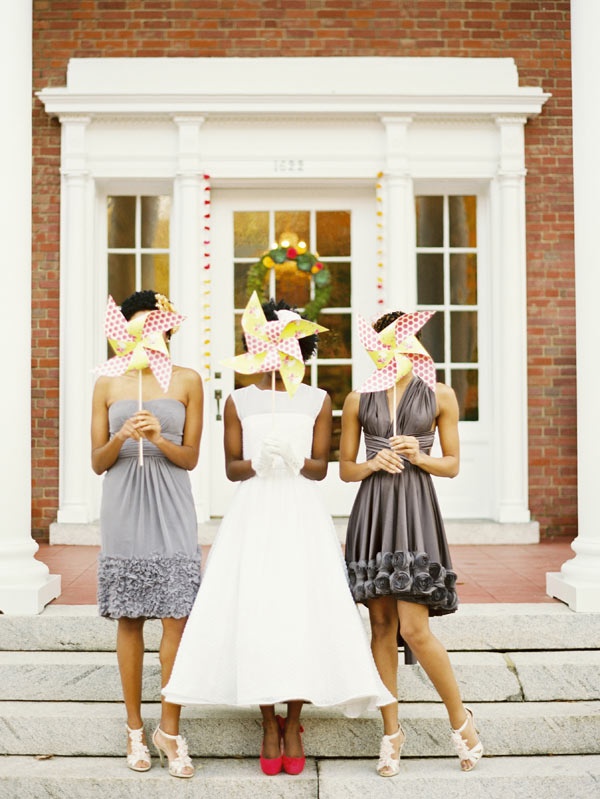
x=140, y=442
x=273, y=399
x=394, y=411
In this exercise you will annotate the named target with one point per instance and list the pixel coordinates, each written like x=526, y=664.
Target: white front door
x=339, y=225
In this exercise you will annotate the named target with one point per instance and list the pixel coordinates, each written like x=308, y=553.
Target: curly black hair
x=138, y=301
x=308, y=344
x=141, y=301
x=383, y=321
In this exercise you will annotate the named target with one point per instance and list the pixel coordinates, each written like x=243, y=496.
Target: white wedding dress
x=274, y=619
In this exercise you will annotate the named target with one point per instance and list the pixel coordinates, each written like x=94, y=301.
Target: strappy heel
x=388, y=765
x=139, y=757
x=178, y=764
x=467, y=756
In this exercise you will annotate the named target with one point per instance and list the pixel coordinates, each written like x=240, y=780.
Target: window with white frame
x=138, y=244
x=447, y=282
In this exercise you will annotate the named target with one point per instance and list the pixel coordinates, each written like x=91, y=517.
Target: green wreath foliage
x=306, y=262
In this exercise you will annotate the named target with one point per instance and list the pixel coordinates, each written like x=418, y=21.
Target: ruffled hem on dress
x=407, y=576
x=154, y=587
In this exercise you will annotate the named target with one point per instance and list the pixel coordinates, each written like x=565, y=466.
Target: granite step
x=490, y=627
x=94, y=677
x=482, y=677
x=97, y=729
x=494, y=778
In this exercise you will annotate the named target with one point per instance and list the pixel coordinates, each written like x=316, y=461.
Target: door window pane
x=463, y=220
x=463, y=279
x=430, y=228
x=465, y=383
x=121, y=276
x=340, y=284
x=250, y=233
x=121, y=222
x=156, y=218
x=433, y=338
x=155, y=272
x=447, y=282
x=292, y=227
x=463, y=335
x=337, y=342
x=430, y=278
x=333, y=233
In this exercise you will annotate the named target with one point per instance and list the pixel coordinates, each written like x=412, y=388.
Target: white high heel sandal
x=140, y=754
x=466, y=755
x=179, y=764
x=388, y=765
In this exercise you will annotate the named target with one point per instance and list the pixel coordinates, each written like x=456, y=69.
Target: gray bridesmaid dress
x=149, y=564
x=396, y=544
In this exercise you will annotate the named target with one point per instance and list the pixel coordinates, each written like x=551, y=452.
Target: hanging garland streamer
x=206, y=282
x=305, y=262
x=380, y=239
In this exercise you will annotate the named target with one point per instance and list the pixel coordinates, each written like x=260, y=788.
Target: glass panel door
x=326, y=235
x=340, y=227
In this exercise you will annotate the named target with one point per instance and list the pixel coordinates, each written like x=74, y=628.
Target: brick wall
x=534, y=33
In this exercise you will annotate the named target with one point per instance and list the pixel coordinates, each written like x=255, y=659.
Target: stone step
x=474, y=627
x=482, y=677
x=494, y=778
x=94, y=677
x=98, y=729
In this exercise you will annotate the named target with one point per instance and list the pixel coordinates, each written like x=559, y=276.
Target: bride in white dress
x=274, y=619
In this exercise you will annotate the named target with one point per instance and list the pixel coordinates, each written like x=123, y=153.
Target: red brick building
x=534, y=34
x=423, y=148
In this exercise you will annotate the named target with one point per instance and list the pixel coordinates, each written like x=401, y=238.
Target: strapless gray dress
x=149, y=564
x=396, y=544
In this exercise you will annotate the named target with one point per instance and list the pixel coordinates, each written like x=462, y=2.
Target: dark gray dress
x=396, y=544
x=149, y=564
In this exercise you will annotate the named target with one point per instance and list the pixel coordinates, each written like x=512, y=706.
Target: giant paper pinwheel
x=395, y=351
x=273, y=345
x=139, y=343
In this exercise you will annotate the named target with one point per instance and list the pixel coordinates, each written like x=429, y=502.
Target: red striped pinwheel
x=273, y=345
x=139, y=343
x=395, y=351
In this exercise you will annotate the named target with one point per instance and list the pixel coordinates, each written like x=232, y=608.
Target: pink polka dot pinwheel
x=395, y=351
x=139, y=343
x=273, y=345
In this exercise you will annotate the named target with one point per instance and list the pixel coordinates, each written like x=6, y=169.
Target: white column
x=398, y=218
x=510, y=327
x=187, y=276
x=76, y=303
x=25, y=584
x=578, y=582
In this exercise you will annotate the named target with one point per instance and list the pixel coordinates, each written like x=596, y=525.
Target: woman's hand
x=128, y=430
x=147, y=426
x=408, y=447
x=386, y=460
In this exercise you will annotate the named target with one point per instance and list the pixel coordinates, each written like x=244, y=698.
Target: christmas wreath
x=306, y=262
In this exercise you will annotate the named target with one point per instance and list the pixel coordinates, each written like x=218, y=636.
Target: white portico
x=441, y=128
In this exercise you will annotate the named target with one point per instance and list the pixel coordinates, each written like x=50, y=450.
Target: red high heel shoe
x=292, y=765
x=272, y=765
